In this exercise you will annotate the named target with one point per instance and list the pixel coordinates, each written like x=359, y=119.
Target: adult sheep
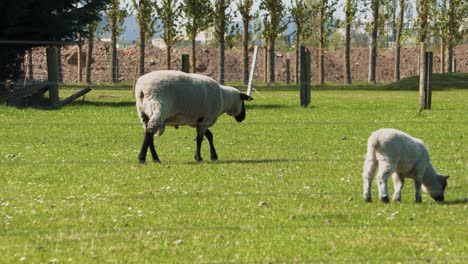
x=395, y=152
x=175, y=98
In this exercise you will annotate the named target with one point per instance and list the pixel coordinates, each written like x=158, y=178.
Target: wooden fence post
x=80, y=69
x=185, y=63
x=51, y=54
x=288, y=74
x=305, y=77
x=59, y=65
x=427, y=80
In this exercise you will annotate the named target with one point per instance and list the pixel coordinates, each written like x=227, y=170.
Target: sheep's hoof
x=198, y=159
x=142, y=161
x=385, y=199
x=214, y=157
x=368, y=200
x=156, y=161
x=398, y=200
x=418, y=201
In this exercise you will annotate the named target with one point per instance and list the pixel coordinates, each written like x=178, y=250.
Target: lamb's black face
x=439, y=196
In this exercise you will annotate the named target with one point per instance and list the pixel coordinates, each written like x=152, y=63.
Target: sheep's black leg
x=152, y=148
x=200, y=134
x=144, y=148
x=213, y=154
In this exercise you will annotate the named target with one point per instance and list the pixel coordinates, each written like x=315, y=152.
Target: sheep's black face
x=241, y=116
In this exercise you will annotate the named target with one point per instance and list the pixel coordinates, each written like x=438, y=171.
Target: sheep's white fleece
x=176, y=98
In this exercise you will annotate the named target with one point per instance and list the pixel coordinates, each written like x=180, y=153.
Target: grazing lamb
x=175, y=98
x=395, y=152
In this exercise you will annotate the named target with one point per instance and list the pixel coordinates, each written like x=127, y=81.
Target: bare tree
x=398, y=36
x=350, y=12
x=423, y=8
x=197, y=14
x=457, y=13
x=374, y=41
x=115, y=18
x=273, y=26
x=146, y=19
x=169, y=11
x=245, y=9
x=325, y=10
x=301, y=13
x=222, y=17
x=89, y=55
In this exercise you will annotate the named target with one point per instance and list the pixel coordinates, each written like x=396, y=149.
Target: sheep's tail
x=372, y=147
x=370, y=166
x=149, y=110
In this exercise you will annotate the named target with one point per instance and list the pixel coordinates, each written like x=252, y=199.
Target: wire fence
x=73, y=66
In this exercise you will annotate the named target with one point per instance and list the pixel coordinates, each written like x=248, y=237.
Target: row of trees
x=313, y=19
x=77, y=19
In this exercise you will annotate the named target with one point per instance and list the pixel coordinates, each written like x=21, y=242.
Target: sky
x=131, y=26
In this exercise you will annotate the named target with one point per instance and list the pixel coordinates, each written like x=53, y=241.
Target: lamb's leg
x=417, y=191
x=385, y=170
x=398, y=182
x=200, y=132
x=370, y=165
x=213, y=154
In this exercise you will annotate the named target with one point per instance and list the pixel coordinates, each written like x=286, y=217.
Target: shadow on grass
x=457, y=201
x=104, y=104
x=249, y=161
x=267, y=106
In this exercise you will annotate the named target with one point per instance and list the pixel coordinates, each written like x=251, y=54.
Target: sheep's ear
x=245, y=97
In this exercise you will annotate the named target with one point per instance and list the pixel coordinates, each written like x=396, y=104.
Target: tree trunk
x=398, y=40
x=272, y=60
x=114, y=55
x=422, y=51
x=321, y=47
x=373, y=47
x=347, y=52
x=422, y=73
x=221, y=62
x=141, y=54
x=442, y=57
x=449, y=57
x=194, y=58
x=265, y=64
x=168, y=57
x=89, y=58
x=245, y=51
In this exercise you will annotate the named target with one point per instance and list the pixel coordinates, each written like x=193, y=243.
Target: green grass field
x=287, y=187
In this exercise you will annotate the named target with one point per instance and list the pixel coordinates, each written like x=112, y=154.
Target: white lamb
x=175, y=98
x=395, y=152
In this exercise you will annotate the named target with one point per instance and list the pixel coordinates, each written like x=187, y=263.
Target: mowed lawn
x=287, y=186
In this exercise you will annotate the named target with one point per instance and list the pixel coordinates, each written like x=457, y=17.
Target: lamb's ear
x=245, y=97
